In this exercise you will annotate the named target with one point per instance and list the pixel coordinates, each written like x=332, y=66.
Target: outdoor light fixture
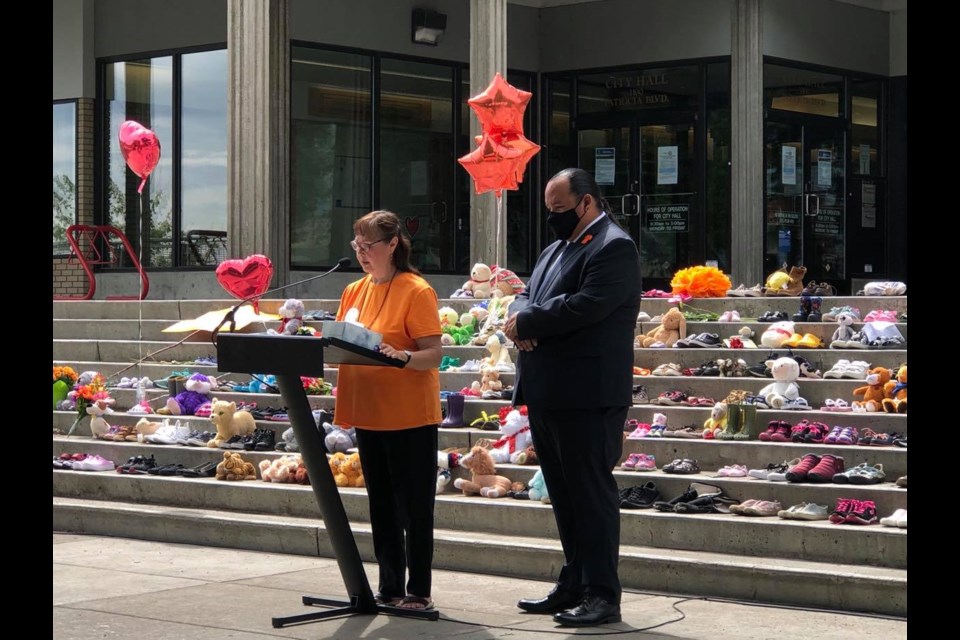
x=428, y=26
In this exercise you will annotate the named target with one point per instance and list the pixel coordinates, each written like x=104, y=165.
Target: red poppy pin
x=586, y=239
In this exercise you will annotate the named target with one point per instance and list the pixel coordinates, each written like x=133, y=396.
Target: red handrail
x=93, y=256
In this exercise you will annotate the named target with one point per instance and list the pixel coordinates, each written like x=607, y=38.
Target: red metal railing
x=100, y=250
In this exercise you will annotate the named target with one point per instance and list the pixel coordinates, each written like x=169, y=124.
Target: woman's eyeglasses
x=364, y=247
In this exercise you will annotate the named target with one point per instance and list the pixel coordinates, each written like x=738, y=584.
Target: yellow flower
x=701, y=282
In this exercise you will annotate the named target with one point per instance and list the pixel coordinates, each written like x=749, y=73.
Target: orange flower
x=586, y=239
x=701, y=282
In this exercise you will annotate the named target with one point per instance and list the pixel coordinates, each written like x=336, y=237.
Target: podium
x=288, y=358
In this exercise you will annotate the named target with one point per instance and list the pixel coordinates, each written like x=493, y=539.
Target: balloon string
x=496, y=254
x=140, y=297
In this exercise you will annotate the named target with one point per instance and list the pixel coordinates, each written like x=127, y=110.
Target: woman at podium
x=395, y=411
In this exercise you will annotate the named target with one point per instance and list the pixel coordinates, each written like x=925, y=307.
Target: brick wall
x=68, y=278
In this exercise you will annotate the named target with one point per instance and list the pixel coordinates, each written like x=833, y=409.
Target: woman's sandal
x=416, y=603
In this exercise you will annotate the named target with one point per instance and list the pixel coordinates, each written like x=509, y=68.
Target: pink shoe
x=733, y=471
x=646, y=463
x=631, y=462
x=642, y=431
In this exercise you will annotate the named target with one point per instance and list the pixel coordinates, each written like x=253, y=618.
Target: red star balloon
x=493, y=167
x=500, y=107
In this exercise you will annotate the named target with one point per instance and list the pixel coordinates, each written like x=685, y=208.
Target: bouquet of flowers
x=316, y=386
x=63, y=380
x=701, y=282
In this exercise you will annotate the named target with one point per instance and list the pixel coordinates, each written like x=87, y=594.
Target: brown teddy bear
x=234, y=467
x=896, y=392
x=673, y=327
x=873, y=392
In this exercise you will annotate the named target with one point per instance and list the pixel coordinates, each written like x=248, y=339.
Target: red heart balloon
x=247, y=277
x=412, y=224
x=140, y=148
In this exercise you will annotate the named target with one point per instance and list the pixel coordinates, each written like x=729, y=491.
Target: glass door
x=646, y=172
x=805, y=199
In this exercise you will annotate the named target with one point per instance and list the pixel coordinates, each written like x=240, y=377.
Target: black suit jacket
x=583, y=316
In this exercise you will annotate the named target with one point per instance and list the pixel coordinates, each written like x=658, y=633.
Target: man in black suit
x=574, y=327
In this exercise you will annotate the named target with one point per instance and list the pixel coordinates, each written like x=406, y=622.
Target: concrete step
x=887, y=496
x=729, y=534
x=849, y=587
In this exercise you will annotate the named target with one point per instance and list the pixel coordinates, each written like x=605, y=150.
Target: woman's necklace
x=369, y=325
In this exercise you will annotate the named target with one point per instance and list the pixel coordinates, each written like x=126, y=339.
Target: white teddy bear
x=784, y=388
x=291, y=318
x=512, y=447
x=479, y=282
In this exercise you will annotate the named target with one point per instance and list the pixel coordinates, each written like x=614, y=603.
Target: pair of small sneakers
x=94, y=463
x=814, y=468
x=639, y=462
x=897, y=519
x=168, y=433
x=729, y=316
x=853, y=511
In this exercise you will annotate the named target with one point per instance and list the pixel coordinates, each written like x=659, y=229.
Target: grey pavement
x=121, y=588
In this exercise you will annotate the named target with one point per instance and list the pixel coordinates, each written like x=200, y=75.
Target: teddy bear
x=504, y=282
x=336, y=461
x=234, y=467
x=777, y=333
x=896, y=392
x=197, y=390
x=784, y=387
x=717, y=421
x=516, y=438
x=291, y=318
x=348, y=472
x=479, y=283
x=873, y=392
x=490, y=381
x=537, y=488
x=844, y=333
x=499, y=357
x=673, y=327
x=302, y=476
x=483, y=480
x=784, y=283
x=229, y=422
x=280, y=469
x=99, y=427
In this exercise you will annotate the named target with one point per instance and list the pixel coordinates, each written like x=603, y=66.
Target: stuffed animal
x=896, y=392
x=717, y=421
x=483, y=480
x=479, y=313
x=499, y=357
x=844, y=332
x=531, y=456
x=479, y=283
x=785, y=283
x=504, y=282
x=302, y=476
x=197, y=391
x=468, y=321
x=282, y=469
x=229, y=422
x=516, y=438
x=288, y=441
x=339, y=439
x=348, y=472
x=784, y=386
x=145, y=428
x=448, y=317
x=291, y=318
x=99, y=427
x=452, y=335
x=673, y=327
x=446, y=460
x=874, y=391
x=777, y=333
x=490, y=381
x=537, y=488
x=234, y=467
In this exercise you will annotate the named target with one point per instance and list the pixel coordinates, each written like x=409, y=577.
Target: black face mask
x=564, y=222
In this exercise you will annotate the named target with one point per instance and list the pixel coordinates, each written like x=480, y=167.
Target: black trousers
x=400, y=470
x=578, y=450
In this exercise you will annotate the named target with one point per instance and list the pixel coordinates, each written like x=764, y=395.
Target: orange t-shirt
x=390, y=398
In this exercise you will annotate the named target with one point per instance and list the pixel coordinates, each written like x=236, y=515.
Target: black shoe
x=641, y=497
x=267, y=441
x=557, y=600
x=592, y=611
x=205, y=470
x=236, y=442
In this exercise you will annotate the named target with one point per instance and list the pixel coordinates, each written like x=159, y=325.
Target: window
x=182, y=98
x=64, y=174
x=718, y=165
x=802, y=90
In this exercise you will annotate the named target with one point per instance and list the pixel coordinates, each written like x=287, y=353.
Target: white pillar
x=488, y=55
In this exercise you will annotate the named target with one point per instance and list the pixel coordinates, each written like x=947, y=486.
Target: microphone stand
x=230, y=316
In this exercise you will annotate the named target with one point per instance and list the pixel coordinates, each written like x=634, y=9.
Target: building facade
x=742, y=133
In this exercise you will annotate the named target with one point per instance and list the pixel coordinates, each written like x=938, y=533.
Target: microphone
x=230, y=315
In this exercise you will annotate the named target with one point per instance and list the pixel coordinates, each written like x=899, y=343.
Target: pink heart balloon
x=247, y=277
x=140, y=148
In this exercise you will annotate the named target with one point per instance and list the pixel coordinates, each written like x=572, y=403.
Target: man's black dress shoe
x=557, y=600
x=592, y=611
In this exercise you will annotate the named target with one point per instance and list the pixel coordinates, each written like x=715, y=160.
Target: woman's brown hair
x=385, y=225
